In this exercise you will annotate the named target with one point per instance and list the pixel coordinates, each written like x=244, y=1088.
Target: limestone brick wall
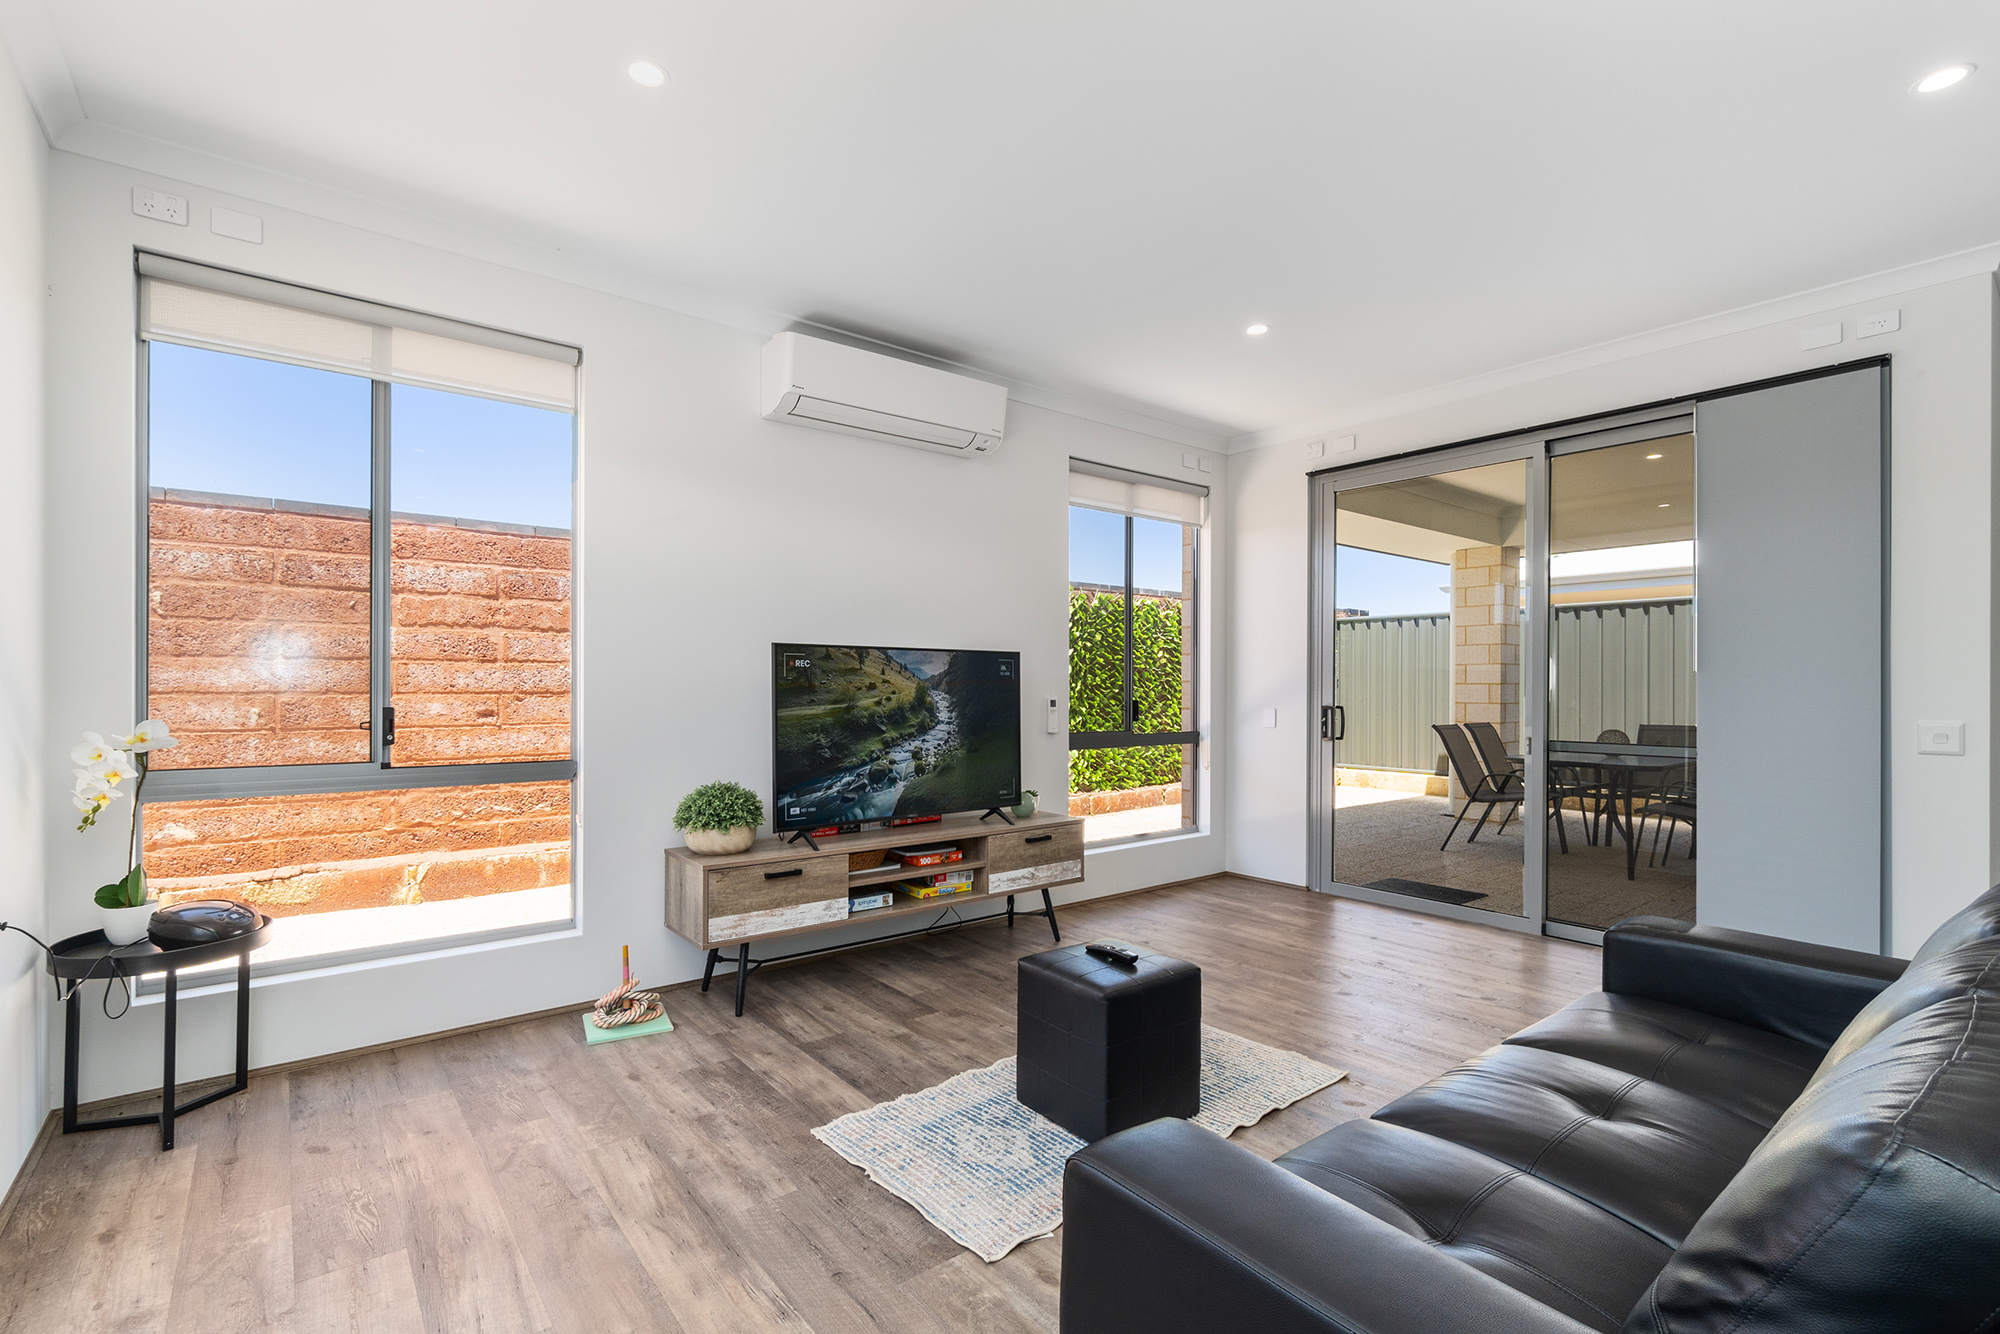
x=258, y=624
x=1486, y=639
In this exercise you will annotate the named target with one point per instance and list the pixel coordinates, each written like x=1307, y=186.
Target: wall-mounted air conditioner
x=811, y=382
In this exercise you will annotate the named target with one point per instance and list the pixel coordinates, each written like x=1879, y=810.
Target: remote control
x=1113, y=954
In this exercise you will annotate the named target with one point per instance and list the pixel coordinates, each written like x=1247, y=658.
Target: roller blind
x=232, y=312
x=1101, y=486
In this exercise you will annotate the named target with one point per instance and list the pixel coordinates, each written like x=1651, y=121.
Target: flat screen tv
x=866, y=733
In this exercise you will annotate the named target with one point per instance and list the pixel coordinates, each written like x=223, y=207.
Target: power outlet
x=1887, y=321
x=159, y=206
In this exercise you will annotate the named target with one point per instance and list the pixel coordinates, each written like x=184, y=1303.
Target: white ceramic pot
x=125, y=926
x=715, y=842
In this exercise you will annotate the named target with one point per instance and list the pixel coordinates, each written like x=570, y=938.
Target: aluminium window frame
x=378, y=773
x=1127, y=739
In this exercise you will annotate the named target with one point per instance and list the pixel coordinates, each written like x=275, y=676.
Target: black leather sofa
x=1738, y=1134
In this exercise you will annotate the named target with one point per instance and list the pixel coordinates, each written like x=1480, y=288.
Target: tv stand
x=725, y=904
x=995, y=810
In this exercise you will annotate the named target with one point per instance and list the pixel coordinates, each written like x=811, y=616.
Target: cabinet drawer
x=1031, y=858
x=776, y=896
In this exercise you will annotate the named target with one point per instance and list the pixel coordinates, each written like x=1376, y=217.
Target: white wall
x=23, y=775
x=706, y=534
x=1944, y=843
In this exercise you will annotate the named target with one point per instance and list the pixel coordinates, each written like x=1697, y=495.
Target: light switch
x=1315, y=449
x=1344, y=444
x=1939, y=738
x=1188, y=460
x=1207, y=464
x=1270, y=717
x=1826, y=335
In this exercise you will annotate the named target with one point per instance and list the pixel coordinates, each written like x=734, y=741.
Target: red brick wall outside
x=258, y=651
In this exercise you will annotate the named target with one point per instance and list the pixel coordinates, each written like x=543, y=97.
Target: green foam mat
x=593, y=1034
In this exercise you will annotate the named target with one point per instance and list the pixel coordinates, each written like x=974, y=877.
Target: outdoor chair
x=1493, y=754
x=1480, y=786
x=1673, y=799
x=1594, y=793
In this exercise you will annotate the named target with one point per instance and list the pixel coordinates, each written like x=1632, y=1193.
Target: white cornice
x=1778, y=310
x=30, y=39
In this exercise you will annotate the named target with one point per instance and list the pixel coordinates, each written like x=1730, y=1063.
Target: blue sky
x=239, y=425
x=1385, y=585
x=1097, y=550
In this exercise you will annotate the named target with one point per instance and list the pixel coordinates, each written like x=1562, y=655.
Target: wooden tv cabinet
x=780, y=889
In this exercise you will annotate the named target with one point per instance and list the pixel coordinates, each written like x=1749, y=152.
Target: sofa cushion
x=1650, y=1154
x=1874, y=1203
x=1534, y=1237
x=1744, y=1070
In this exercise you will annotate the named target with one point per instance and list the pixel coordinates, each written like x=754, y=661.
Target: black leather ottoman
x=1102, y=1046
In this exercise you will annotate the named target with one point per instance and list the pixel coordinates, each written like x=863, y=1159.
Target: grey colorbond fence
x=1395, y=681
x=1616, y=666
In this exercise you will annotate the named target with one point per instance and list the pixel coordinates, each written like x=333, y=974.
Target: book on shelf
x=936, y=854
x=962, y=876
x=928, y=888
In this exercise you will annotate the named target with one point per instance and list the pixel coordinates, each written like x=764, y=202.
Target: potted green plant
x=1027, y=806
x=104, y=766
x=719, y=818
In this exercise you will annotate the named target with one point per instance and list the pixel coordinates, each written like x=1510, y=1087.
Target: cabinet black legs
x=742, y=974
x=1049, y=911
x=708, y=973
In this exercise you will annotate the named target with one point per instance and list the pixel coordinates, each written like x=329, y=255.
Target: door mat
x=1417, y=889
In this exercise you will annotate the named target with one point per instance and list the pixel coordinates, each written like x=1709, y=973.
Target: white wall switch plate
x=1826, y=335
x=1315, y=449
x=1936, y=738
x=160, y=206
x=1055, y=717
x=1344, y=444
x=1886, y=321
x=238, y=226
x=1207, y=464
x=1188, y=460
x=1270, y=717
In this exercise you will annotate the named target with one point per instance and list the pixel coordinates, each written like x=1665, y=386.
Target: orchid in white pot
x=105, y=766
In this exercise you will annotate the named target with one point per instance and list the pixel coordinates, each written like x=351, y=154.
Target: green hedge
x=1096, y=681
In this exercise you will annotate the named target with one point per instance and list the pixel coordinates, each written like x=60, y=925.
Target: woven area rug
x=987, y=1172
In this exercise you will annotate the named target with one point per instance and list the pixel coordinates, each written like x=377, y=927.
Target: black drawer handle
x=1039, y=838
x=780, y=875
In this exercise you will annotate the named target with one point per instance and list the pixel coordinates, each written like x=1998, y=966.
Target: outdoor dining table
x=1621, y=766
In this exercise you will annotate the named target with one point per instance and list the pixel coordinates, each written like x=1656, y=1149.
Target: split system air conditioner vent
x=812, y=382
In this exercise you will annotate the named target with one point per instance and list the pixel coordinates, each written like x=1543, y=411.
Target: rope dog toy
x=625, y=1003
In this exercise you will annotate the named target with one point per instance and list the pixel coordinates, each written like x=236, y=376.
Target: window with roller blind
x=1134, y=617
x=356, y=615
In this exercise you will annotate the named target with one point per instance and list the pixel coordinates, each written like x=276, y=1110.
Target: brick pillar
x=1486, y=641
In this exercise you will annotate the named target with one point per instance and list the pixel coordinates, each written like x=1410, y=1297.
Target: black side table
x=90, y=956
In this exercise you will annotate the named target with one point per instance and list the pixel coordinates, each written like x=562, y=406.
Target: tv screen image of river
x=872, y=733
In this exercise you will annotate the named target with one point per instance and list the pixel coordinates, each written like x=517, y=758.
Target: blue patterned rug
x=987, y=1172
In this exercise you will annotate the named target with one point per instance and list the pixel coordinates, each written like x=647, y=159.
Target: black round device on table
x=200, y=922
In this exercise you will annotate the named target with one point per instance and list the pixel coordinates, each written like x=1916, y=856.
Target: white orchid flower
x=150, y=735
x=90, y=796
x=114, y=771
x=94, y=750
x=90, y=784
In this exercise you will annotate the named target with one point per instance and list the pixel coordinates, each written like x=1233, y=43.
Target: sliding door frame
x=1536, y=447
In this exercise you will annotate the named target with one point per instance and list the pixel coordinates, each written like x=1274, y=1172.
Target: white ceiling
x=1102, y=196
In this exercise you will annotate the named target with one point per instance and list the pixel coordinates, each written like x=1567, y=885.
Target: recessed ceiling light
x=1655, y=456
x=646, y=74
x=1257, y=329
x=1665, y=505
x=1944, y=78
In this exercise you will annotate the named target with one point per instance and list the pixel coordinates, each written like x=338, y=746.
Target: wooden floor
x=515, y=1179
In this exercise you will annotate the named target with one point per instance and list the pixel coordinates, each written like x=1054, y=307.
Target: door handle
x=1332, y=722
x=388, y=732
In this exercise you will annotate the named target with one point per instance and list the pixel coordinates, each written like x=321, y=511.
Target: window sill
x=1143, y=841
x=221, y=980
